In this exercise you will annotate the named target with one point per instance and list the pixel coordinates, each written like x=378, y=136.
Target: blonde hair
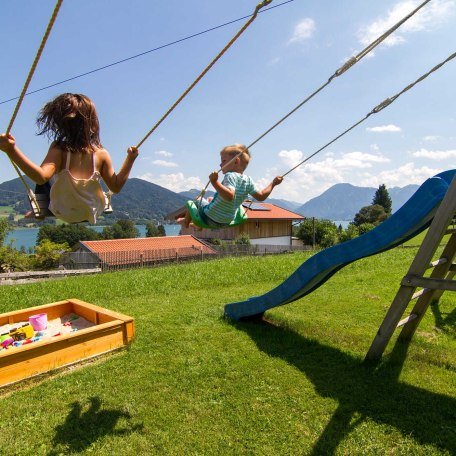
x=238, y=150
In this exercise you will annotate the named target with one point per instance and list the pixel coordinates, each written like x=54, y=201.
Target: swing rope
x=376, y=110
x=24, y=90
x=346, y=66
x=238, y=34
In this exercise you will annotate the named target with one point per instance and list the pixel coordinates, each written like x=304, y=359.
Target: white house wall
x=276, y=240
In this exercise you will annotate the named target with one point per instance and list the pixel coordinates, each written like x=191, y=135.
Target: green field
x=193, y=383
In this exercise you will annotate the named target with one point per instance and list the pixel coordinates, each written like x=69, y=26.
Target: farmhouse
x=122, y=253
x=267, y=224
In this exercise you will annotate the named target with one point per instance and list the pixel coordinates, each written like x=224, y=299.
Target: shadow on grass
x=82, y=428
x=444, y=323
x=369, y=391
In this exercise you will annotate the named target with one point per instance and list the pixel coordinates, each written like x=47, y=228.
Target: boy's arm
x=263, y=194
x=114, y=181
x=39, y=174
x=224, y=192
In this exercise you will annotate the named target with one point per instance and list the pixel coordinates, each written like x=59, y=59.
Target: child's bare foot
x=183, y=221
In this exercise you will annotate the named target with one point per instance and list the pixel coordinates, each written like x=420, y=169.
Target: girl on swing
x=231, y=192
x=76, y=160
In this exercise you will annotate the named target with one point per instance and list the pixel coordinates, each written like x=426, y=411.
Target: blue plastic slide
x=412, y=218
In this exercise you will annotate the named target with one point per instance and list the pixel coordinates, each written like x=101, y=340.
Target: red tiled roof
x=273, y=213
x=125, y=251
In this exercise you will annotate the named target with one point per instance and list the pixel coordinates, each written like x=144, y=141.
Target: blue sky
x=287, y=53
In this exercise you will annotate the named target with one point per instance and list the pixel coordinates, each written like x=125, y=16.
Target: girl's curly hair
x=70, y=120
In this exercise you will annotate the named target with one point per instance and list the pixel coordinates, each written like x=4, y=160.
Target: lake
x=27, y=236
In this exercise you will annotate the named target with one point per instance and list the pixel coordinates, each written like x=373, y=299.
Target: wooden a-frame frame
x=431, y=287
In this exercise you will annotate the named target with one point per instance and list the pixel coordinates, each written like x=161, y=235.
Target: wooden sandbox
x=111, y=331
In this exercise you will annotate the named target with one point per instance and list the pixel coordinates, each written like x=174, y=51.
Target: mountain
x=139, y=199
x=194, y=192
x=343, y=201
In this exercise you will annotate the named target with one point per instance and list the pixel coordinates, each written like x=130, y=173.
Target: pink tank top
x=77, y=200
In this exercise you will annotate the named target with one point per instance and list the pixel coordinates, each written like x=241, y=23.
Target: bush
x=365, y=227
x=242, y=239
x=47, y=254
x=350, y=233
x=326, y=233
x=11, y=260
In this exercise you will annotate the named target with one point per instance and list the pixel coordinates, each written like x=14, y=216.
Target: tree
x=70, y=234
x=122, y=229
x=374, y=214
x=153, y=230
x=383, y=199
x=5, y=228
x=48, y=253
x=325, y=232
x=350, y=233
x=13, y=260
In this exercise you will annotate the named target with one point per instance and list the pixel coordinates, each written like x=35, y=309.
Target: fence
x=111, y=261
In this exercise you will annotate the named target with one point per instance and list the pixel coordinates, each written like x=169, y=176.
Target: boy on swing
x=231, y=192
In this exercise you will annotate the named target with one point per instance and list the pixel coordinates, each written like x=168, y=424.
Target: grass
x=195, y=383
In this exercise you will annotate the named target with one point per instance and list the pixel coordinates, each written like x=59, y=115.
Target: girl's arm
x=263, y=194
x=114, y=181
x=39, y=174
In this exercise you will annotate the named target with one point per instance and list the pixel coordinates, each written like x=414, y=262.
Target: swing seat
x=39, y=203
x=239, y=218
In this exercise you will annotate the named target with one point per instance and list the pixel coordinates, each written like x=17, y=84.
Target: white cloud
x=164, y=153
x=431, y=138
x=164, y=163
x=314, y=177
x=435, y=154
x=303, y=31
x=374, y=147
x=400, y=177
x=175, y=182
x=384, y=128
x=291, y=157
x=428, y=18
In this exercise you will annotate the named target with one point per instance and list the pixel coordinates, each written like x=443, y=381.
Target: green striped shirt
x=222, y=211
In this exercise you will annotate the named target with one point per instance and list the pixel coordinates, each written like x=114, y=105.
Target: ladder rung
x=437, y=262
x=427, y=282
x=450, y=231
x=406, y=320
x=421, y=293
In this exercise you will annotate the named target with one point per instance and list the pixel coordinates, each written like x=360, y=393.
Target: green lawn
x=193, y=383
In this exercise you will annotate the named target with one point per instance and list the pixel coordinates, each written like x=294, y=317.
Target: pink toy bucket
x=38, y=321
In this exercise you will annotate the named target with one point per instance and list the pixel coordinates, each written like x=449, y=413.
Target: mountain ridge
x=141, y=199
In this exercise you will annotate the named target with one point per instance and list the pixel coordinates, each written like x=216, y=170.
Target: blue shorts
x=207, y=220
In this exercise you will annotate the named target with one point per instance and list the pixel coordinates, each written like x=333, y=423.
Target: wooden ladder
x=431, y=287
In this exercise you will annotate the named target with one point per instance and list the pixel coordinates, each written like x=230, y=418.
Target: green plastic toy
x=239, y=218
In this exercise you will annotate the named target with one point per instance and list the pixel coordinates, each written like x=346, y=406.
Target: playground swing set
x=437, y=202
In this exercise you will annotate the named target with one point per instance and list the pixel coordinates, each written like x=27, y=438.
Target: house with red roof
x=267, y=224
x=140, y=251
